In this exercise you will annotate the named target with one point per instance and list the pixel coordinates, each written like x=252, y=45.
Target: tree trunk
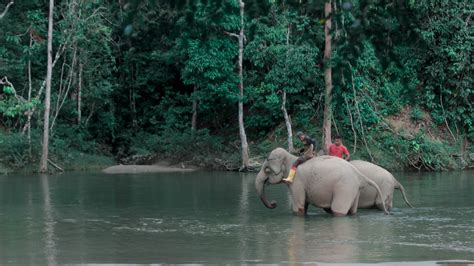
x=47, y=99
x=327, y=78
x=283, y=104
x=30, y=113
x=243, y=136
x=79, y=95
x=288, y=124
x=195, y=106
x=40, y=92
x=64, y=90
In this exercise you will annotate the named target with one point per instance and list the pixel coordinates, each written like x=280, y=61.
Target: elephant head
x=273, y=170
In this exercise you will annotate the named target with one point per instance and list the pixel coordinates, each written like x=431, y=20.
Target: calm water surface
x=216, y=217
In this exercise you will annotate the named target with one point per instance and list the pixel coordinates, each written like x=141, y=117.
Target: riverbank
x=161, y=153
x=137, y=169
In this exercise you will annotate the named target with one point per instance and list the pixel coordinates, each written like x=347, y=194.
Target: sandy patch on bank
x=135, y=169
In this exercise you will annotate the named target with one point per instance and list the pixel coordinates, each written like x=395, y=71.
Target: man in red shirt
x=338, y=150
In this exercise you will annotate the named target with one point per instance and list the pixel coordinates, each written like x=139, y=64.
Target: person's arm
x=346, y=152
x=315, y=144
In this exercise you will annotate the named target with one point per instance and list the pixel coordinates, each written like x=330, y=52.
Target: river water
x=216, y=217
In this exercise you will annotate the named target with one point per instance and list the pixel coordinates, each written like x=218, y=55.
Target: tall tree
x=283, y=103
x=327, y=76
x=243, y=136
x=47, y=99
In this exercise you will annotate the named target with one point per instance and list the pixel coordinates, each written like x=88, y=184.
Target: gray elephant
x=326, y=182
x=384, y=179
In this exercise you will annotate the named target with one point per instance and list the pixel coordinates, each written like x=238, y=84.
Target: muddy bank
x=135, y=169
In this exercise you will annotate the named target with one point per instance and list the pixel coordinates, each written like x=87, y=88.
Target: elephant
x=326, y=182
x=384, y=179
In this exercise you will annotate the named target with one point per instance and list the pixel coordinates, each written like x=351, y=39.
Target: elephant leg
x=298, y=198
x=388, y=203
x=343, y=199
x=353, y=209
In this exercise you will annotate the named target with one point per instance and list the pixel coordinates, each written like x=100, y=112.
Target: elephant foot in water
x=335, y=214
x=302, y=211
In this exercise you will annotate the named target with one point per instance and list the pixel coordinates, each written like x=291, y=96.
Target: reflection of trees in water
x=30, y=222
x=296, y=241
x=50, y=244
x=325, y=240
x=244, y=217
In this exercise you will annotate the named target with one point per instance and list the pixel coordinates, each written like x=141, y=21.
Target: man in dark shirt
x=306, y=153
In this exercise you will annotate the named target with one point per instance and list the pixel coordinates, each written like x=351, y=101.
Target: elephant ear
x=276, y=166
x=283, y=167
x=265, y=167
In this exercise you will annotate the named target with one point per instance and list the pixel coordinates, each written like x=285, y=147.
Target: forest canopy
x=201, y=82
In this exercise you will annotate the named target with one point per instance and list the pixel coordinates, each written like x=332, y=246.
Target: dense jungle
x=219, y=84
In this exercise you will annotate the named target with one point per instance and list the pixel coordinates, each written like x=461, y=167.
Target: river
x=216, y=217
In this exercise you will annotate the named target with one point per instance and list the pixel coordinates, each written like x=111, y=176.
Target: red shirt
x=338, y=151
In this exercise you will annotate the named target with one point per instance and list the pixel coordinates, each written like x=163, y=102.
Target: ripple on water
x=172, y=225
x=70, y=221
x=459, y=246
x=144, y=229
x=102, y=221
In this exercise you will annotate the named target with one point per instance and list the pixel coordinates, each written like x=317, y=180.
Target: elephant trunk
x=260, y=186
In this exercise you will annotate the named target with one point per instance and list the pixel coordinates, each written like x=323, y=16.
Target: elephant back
x=328, y=168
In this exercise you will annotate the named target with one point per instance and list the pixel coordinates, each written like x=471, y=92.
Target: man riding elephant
x=306, y=153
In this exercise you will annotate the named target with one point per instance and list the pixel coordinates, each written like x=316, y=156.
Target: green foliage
x=8, y=90
x=145, y=63
x=416, y=114
x=197, y=148
x=14, y=149
x=445, y=51
x=420, y=152
x=282, y=61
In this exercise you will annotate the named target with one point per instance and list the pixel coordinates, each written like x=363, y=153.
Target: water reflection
x=338, y=240
x=296, y=240
x=50, y=244
x=243, y=213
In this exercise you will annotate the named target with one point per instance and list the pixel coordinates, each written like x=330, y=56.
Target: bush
x=69, y=148
x=416, y=114
x=14, y=148
x=197, y=147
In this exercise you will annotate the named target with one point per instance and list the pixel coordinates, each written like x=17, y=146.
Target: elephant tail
x=402, y=190
x=372, y=183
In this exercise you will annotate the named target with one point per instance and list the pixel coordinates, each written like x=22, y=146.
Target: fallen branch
x=55, y=165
